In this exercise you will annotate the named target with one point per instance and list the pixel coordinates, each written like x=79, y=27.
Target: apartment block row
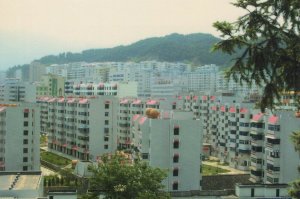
x=82, y=128
x=118, y=89
x=248, y=139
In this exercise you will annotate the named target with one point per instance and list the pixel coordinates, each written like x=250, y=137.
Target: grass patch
x=223, y=164
x=211, y=170
x=54, y=159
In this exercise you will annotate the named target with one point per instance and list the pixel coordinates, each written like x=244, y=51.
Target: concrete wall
x=221, y=182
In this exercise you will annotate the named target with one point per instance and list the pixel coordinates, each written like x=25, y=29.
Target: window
x=175, y=171
x=175, y=186
x=176, y=144
x=106, y=114
x=252, y=192
x=176, y=158
x=26, y=114
x=25, y=123
x=106, y=122
x=25, y=132
x=25, y=168
x=25, y=141
x=106, y=138
x=145, y=156
x=176, y=130
x=25, y=150
x=106, y=146
x=25, y=159
x=106, y=106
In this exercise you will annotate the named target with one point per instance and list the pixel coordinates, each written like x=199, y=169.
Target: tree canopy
x=294, y=190
x=116, y=176
x=268, y=35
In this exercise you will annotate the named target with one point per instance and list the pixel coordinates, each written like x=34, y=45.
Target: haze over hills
x=192, y=48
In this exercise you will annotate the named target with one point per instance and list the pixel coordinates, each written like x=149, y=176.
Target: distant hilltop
x=191, y=48
x=194, y=49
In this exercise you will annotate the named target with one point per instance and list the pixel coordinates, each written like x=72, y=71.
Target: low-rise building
x=21, y=185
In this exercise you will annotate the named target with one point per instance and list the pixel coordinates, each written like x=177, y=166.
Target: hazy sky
x=30, y=29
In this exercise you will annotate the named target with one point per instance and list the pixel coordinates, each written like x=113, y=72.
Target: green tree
x=294, y=190
x=116, y=176
x=268, y=36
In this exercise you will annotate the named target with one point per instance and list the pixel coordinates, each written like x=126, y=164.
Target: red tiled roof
x=75, y=147
x=204, y=97
x=142, y=120
x=124, y=101
x=195, y=98
x=257, y=117
x=212, y=98
x=71, y=100
x=135, y=117
x=2, y=109
x=244, y=110
x=214, y=108
x=188, y=97
x=232, y=109
x=151, y=102
x=52, y=100
x=223, y=109
x=61, y=100
x=83, y=101
x=137, y=102
x=273, y=119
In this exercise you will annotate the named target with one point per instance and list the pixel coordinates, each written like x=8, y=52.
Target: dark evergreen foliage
x=268, y=35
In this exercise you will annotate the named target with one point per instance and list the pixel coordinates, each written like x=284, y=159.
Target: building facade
x=81, y=128
x=51, y=85
x=19, y=137
x=14, y=90
x=172, y=142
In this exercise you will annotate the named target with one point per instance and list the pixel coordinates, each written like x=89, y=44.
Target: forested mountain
x=192, y=48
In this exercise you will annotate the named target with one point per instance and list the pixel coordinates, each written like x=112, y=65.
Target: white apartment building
x=14, y=90
x=163, y=88
x=119, y=89
x=202, y=79
x=248, y=139
x=172, y=142
x=225, y=85
x=130, y=107
x=273, y=157
x=19, y=137
x=82, y=128
x=36, y=70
